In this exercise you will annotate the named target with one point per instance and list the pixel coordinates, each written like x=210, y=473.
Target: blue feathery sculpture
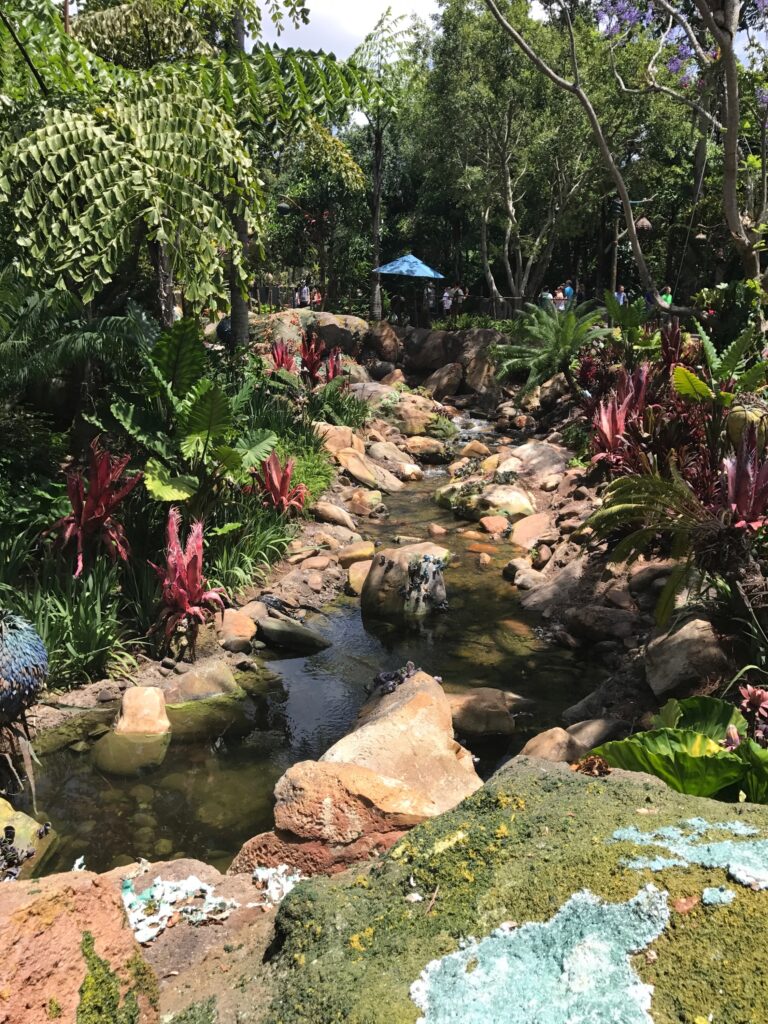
x=23, y=667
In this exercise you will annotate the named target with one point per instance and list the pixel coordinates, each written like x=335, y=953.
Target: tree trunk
x=378, y=176
x=163, y=283
x=496, y=299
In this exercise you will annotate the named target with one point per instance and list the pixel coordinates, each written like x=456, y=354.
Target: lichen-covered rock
x=351, y=947
x=292, y=635
x=405, y=581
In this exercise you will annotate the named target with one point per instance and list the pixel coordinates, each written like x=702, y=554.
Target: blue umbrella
x=409, y=266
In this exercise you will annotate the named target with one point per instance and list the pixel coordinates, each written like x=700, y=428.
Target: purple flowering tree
x=698, y=59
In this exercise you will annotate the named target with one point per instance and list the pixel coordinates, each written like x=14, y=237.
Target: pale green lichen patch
x=574, y=967
x=745, y=859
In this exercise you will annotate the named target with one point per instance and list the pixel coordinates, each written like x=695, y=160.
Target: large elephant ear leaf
x=164, y=486
x=706, y=715
x=206, y=422
x=179, y=354
x=687, y=761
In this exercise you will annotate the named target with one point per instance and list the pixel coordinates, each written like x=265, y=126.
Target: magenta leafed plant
x=282, y=357
x=746, y=481
x=91, y=520
x=755, y=701
x=623, y=409
x=274, y=483
x=334, y=367
x=312, y=352
x=187, y=601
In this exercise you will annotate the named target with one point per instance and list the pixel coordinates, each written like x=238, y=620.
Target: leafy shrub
x=702, y=746
x=336, y=404
x=78, y=621
x=240, y=552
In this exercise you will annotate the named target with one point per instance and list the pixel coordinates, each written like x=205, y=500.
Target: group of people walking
x=307, y=297
x=563, y=295
x=453, y=299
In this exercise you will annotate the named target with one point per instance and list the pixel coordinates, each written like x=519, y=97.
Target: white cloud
x=338, y=26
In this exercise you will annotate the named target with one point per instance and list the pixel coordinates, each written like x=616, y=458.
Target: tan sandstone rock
x=383, y=595
x=356, y=576
x=142, y=712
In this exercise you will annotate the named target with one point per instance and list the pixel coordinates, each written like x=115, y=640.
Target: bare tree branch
x=24, y=53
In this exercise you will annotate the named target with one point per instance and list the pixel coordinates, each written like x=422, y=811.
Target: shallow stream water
x=209, y=796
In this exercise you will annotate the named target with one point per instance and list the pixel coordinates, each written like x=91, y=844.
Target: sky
x=338, y=26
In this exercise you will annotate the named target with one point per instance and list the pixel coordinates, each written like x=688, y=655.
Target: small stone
x=550, y=483
x=181, y=668
x=168, y=663
x=475, y=450
x=435, y=530
x=108, y=694
x=484, y=560
x=542, y=557
x=80, y=747
x=245, y=665
x=494, y=524
x=362, y=552
x=315, y=582
x=142, y=794
x=318, y=563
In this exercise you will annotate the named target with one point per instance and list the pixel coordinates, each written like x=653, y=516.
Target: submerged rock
x=486, y=711
x=29, y=836
x=130, y=754
x=292, y=635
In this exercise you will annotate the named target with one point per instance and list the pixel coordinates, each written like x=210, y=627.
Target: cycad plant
x=547, y=342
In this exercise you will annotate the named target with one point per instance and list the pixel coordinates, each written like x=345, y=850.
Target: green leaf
x=165, y=487
x=753, y=379
x=734, y=354
x=706, y=715
x=179, y=354
x=687, y=761
x=710, y=352
x=256, y=447
x=142, y=426
x=675, y=583
x=207, y=420
x=689, y=385
x=755, y=782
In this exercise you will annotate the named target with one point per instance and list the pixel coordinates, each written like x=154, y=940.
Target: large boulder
x=684, y=656
x=555, y=745
x=405, y=581
x=445, y=381
x=285, y=633
x=214, y=679
x=474, y=357
x=67, y=953
x=596, y=622
x=505, y=500
x=429, y=350
x=335, y=437
x=340, y=331
x=426, y=449
x=539, y=460
x=385, y=342
x=399, y=766
x=368, y=472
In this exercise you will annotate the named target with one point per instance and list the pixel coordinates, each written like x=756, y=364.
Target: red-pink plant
x=312, y=352
x=187, y=601
x=282, y=357
x=274, y=483
x=334, y=367
x=93, y=507
x=755, y=701
x=623, y=409
x=746, y=482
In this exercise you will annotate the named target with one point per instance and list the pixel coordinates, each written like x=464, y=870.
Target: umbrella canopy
x=409, y=266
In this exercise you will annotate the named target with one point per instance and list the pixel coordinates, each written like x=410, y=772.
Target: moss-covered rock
x=350, y=947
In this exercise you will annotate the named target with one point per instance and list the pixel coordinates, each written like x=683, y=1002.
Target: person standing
x=304, y=295
x=568, y=292
x=620, y=295
x=317, y=298
x=547, y=298
x=447, y=300
x=666, y=295
x=559, y=299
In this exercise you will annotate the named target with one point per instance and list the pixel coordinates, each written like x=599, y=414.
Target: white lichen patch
x=573, y=969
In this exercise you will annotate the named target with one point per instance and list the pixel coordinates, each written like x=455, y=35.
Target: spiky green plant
x=548, y=340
